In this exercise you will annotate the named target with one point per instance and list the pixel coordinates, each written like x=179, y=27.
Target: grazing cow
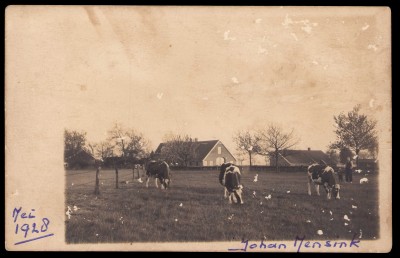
x=222, y=170
x=323, y=175
x=160, y=171
x=229, y=177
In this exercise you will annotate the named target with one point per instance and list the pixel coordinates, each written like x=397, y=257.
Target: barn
x=206, y=153
x=300, y=158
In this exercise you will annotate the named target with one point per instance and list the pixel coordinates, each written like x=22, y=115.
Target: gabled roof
x=201, y=148
x=305, y=157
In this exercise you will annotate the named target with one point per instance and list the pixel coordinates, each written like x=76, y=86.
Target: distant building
x=81, y=159
x=367, y=164
x=289, y=158
x=206, y=153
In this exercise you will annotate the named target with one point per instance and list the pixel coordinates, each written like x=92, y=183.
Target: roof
x=202, y=148
x=305, y=157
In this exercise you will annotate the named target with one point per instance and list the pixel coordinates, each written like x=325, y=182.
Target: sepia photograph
x=198, y=128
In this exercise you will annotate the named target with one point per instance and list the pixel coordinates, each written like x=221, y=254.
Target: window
x=205, y=163
x=211, y=163
x=219, y=150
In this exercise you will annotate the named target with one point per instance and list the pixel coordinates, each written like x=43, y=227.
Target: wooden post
x=97, y=187
x=133, y=173
x=116, y=177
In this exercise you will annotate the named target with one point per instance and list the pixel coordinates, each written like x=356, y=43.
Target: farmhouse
x=294, y=158
x=205, y=153
x=81, y=159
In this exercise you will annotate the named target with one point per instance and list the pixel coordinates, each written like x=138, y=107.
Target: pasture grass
x=134, y=213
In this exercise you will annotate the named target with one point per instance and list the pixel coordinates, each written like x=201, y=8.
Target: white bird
x=319, y=232
x=140, y=180
x=308, y=221
x=353, y=206
x=180, y=205
x=346, y=224
x=346, y=217
x=363, y=180
x=287, y=191
x=255, y=178
x=330, y=212
x=254, y=194
x=268, y=197
x=76, y=208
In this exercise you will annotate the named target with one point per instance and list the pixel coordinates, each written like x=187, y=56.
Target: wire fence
x=123, y=174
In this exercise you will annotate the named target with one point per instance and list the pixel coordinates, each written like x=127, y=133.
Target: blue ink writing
x=262, y=245
x=26, y=225
x=298, y=242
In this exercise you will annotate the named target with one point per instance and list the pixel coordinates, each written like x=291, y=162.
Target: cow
x=160, y=171
x=229, y=177
x=323, y=175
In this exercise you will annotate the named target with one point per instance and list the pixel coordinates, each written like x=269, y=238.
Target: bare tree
x=74, y=143
x=178, y=149
x=127, y=143
x=273, y=140
x=136, y=145
x=247, y=142
x=104, y=150
x=356, y=132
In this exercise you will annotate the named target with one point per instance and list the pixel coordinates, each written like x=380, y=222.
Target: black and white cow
x=324, y=175
x=229, y=177
x=160, y=171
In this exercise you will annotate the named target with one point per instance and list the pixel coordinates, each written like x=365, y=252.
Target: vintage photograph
x=231, y=129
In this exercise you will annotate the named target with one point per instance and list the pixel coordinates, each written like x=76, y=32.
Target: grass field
x=194, y=209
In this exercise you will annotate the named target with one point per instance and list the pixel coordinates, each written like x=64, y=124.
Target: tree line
x=122, y=147
x=355, y=134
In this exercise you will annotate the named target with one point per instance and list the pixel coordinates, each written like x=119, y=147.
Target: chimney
x=195, y=139
x=308, y=148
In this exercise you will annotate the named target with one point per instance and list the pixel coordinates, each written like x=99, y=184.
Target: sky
x=204, y=71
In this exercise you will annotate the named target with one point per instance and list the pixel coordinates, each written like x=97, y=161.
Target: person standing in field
x=349, y=171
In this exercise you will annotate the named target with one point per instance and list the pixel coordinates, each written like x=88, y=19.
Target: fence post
x=97, y=187
x=116, y=177
x=133, y=173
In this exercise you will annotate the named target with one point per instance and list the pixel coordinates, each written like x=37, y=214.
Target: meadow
x=194, y=209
